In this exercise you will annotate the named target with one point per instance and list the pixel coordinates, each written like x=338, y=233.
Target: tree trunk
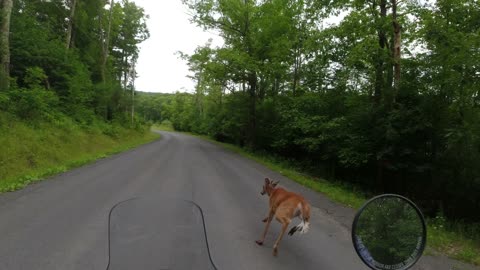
x=106, y=42
x=73, y=4
x=396, y=48
x=133, y=75
x=125, y=70
x=389, y=75
x=6, y=11
x=262, y=88
x=380, y=68
x=295, y=75
x=380, y=85
x=133, y=101
x=199, y=96
x=252, y=119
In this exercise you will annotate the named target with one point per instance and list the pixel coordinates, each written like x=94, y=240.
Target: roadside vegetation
x=32, y=153
x=384, y=99
x=66, y=85
x=458, y=240
x=329, y=116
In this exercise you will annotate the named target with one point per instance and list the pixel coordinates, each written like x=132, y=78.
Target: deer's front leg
x=268, y=220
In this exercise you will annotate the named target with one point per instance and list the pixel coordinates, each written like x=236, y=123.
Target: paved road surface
x=62, y=223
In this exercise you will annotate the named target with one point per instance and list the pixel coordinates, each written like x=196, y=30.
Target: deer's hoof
x=259, y=242
x=264, y=220
x=275, y=252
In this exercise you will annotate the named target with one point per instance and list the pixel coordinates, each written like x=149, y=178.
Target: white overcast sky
x=158, y=68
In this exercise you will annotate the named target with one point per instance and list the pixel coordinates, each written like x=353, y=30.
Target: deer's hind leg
x=283, y=216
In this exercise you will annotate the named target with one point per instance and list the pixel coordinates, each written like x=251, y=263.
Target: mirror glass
x=389, y=232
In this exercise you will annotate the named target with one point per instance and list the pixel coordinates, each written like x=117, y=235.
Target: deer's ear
x=267, y=181
x=276, y=183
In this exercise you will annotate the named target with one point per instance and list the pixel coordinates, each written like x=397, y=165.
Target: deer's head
x=268, y=186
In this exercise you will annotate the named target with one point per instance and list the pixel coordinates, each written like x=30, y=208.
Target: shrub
x=32, y=104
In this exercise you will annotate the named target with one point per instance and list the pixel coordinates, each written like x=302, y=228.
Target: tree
x=106, y=42
x=396, y=48
x=72, y=6
x=389, y=94
x=5, y=11
x=259, y=40
x=128, y=29
x=79, y=76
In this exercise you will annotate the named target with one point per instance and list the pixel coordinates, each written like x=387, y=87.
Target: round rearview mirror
x=389, y=232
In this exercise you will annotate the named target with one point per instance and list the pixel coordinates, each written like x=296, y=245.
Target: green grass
x=31, y=153
x=165, y=126
x=339, y=192
x=458, y=241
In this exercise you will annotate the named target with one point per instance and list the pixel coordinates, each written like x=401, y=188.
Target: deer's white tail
x=304, y=226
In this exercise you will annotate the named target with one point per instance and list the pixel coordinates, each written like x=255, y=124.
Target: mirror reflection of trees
x=391, y=230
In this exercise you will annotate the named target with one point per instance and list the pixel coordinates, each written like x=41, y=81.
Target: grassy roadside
x=455, y=240
x=164, y=126
x=32, y=153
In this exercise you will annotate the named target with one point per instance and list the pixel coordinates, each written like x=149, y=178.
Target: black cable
x=203, y=223
x=205, y=232
x=109, y=220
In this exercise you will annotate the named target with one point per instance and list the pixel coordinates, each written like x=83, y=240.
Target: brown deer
x=285, y=206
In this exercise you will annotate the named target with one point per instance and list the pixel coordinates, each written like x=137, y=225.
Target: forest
x=67, y=76
x=384, y=97
x=69, y=58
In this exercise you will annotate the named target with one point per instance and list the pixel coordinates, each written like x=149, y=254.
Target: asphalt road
x=63, y=223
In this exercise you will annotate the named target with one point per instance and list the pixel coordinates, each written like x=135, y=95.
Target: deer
x=285, y=206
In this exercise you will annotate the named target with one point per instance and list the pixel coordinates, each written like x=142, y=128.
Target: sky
x=158, y=68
